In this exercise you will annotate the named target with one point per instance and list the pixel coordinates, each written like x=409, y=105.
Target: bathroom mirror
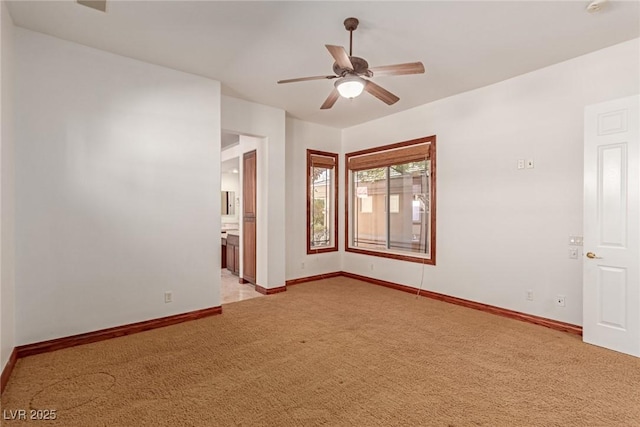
x=227, y=203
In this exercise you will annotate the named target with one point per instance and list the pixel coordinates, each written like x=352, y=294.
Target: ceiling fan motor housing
x=360, y=68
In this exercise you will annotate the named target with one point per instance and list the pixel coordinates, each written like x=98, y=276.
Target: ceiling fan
x=350, y=71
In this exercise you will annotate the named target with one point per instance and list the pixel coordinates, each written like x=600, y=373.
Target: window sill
x=313, y=251
x=393, y=255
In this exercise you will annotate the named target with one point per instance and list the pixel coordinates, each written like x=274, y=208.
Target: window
x=391, y=201
x=322, y=200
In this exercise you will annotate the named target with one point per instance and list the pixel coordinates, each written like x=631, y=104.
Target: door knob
x=591, y=255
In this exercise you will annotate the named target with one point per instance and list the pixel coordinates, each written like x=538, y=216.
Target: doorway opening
x=233, y=286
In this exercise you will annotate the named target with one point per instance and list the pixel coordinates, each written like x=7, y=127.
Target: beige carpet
x=334, y=352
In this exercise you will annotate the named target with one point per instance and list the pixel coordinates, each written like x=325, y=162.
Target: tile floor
x=232, y=291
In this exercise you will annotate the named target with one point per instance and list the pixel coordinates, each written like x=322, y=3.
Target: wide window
x=391, y=201
x=322, y=199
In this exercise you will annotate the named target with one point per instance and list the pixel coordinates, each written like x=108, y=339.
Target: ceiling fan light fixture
x=350, y=86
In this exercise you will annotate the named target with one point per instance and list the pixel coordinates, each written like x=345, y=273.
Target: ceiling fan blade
x=340, y=55
x=398, y=69
x=304, y=79
x=331, y=99
x=381, y=93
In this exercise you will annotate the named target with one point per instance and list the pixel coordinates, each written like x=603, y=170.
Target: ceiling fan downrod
x=351, y=24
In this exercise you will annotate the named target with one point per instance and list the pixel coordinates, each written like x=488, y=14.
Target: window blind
x=396, y=156
x=319, y=161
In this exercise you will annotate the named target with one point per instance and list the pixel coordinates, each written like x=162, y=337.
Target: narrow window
x=322, y=202
x=391, y=201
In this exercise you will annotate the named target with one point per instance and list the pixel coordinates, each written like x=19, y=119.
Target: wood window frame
x=386, y=153
x=316, y=157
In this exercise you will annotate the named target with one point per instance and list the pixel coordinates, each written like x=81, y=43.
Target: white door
x=611, y=288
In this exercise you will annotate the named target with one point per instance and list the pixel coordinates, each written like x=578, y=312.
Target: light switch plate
x=575, y=240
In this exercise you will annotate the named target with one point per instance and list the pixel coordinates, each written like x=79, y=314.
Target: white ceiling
x=248, y=46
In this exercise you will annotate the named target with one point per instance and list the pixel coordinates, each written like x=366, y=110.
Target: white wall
x=301, y=136
x=501, y=231
x=117, y=189
x=230, y=182
x=268, y=123
x=7, y=197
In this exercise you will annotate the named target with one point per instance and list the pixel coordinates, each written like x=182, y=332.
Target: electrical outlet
x=560, y=302
x=168, y=297
x=371, y=266
x=573, y=253
x=520, y=163
x=529, y=163
x=530, y=295
x=302, y=265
